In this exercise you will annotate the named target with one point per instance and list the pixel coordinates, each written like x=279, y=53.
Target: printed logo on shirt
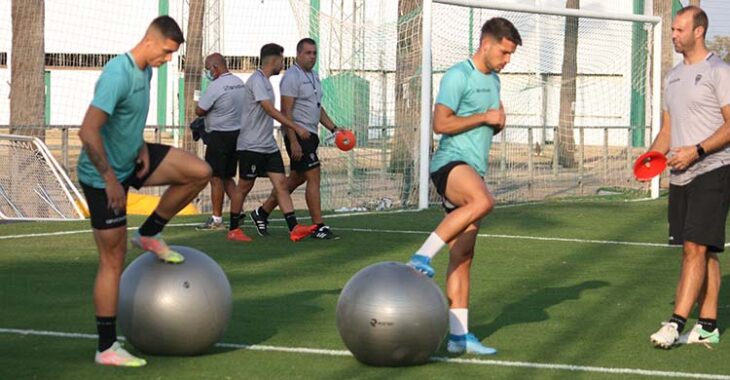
x=698, y=78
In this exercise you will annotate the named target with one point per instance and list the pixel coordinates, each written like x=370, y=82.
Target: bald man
x=222, y=106
x=695, y=132
x=115, y=157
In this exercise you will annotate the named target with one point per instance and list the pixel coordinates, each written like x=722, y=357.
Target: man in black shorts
x=301, y=101
x=258, y=154
x=115, y=157
x=222, y=105
x=696, y=132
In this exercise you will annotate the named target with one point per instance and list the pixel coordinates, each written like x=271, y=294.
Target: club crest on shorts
x=253, y=168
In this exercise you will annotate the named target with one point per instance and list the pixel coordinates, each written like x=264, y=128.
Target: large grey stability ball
x=390, y=315
x=174, y=309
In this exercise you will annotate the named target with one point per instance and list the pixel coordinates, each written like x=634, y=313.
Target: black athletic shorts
x=698, y=210
x=309, y=158
x=255, y=164
x=103, y=217
x=220, y=153
x=439, y=178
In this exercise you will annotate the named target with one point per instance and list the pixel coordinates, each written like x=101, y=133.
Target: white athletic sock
x=217, y=219
x=431, y=246
x=459, y=321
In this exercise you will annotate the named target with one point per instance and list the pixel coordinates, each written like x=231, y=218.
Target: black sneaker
x=324, y=233
x=261, y=223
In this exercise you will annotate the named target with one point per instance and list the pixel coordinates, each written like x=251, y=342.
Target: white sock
x=459, y=321
x=217, y=219
x=431, y=246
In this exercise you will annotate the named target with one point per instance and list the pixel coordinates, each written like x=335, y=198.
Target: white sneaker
x=667, y=336
x=116, y=355
x=698, y=335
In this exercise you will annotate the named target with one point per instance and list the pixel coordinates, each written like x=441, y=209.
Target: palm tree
x=565, y=141
x=27, y=89
x=407, y=94
x=193, y=67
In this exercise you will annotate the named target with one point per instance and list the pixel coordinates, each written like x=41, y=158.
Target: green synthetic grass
x=545, y=301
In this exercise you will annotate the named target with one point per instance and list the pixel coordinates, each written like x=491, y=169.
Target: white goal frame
x=427, y=72
x=68, y=190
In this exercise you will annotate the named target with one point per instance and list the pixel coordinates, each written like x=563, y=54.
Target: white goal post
x=428, y=69
x=33, y=185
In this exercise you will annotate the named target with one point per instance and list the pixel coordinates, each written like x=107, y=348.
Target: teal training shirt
x=123, y=93
x=467, y=91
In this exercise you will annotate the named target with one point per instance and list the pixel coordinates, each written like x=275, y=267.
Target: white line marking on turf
x=522, y=237
x=499, y=236
x=487, y=362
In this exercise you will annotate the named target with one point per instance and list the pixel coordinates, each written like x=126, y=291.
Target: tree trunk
x=193, y=68
x=407, y=95
x=663, y=9
x=27, y=89
x=565, y=141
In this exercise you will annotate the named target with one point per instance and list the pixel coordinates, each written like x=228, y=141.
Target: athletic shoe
x=422, y=264
x=210, y=225
x=156, y=245
x=116, y=355
x=300, y=232
x=667, y=336
x=238, y=235
x=324, y=233
x=698, y=335
x=260, y=222
x=459, y=344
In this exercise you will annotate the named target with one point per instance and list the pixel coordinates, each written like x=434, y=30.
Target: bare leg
x=694, y=271
x=112, y=245
x=292, y=183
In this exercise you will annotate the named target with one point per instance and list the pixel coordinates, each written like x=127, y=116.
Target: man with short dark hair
x=222, y=106
x=467, y=114
x=115, y=157
x=258, y=153
x=695, y=132
x=301, y=101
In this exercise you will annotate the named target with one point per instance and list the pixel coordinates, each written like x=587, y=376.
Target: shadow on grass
x=533, y=307
x=257, y=320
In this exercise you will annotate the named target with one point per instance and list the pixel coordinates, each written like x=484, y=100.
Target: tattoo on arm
x=97, y=158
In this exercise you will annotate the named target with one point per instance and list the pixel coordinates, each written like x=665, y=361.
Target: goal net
x=33, y=186
x=578, y=93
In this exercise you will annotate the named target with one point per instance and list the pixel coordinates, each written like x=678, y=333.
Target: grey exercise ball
x=174, y=309
x=390, y=315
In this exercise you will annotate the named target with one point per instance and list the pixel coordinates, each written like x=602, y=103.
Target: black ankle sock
x=235, y=221
x=679, y=320
x=153, y=225
x=708, y=325
x=291, y=220
x=106, y=327
x=261, y=212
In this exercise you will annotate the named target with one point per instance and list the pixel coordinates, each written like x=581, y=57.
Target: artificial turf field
x=562, y=289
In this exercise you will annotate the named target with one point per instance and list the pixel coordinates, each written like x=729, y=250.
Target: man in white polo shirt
x=222, y=106
x=696, y=132
x=301, y=101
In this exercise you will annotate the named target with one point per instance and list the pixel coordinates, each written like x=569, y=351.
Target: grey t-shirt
x=223, y=99
x=257, y=130
x=693, y=97
x=307, y=89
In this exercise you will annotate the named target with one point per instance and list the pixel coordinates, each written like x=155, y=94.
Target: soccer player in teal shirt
x=115, y=157
x=467, y=114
